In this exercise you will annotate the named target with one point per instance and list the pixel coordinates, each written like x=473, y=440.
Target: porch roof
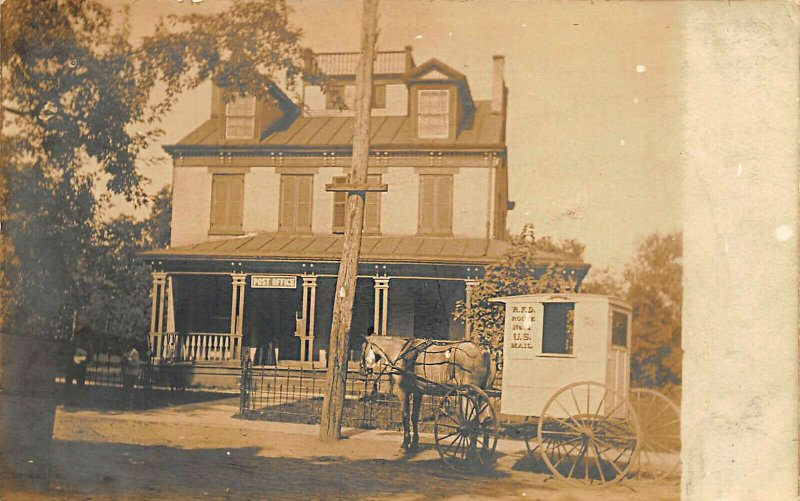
x=382, y=249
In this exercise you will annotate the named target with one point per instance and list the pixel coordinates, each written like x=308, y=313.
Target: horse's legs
x=404, y=397
x=415, y=418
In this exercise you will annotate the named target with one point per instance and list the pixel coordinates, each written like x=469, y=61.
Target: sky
x=595, y=104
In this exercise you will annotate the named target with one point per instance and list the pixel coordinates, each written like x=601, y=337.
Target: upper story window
x=346, y=95
x=433, y=114
x=296, y=203
x=227, y=203
x=379, y=96
x=372, y=210
x=240, y=118
x=435, y=204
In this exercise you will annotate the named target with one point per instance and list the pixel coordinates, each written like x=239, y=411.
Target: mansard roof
x=387, y=133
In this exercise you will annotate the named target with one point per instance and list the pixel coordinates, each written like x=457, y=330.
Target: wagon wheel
x=660, y=420
x=589, y=434
x=466, y=428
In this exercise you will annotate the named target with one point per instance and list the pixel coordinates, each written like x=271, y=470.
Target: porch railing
x=197, y=346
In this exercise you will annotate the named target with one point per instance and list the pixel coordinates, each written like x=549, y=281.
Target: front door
x=618, y=369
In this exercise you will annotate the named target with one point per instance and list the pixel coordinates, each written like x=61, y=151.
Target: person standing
x=82, y=350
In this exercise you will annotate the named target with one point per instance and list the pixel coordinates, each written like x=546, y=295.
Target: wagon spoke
x=602, y=401
x=564, y=423
x=562, y=444
x=613, y=464
x=577, y=406
x=567, y=455
x=579, y=425
x=571, y=470
x=449, y=435
x=597, y=461
x=662, y=426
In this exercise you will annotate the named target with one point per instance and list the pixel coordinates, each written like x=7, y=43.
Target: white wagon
x=566, y=369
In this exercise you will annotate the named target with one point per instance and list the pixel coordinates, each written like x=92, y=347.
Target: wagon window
x=559, y=328
x=619, y=329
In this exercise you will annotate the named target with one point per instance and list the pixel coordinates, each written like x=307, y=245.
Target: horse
x=424, y=367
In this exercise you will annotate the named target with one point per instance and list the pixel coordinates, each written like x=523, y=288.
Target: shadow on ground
x=111, y=470
x=102, y=398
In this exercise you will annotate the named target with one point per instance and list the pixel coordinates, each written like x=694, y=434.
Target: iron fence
x=295, y=395
x=106, y=371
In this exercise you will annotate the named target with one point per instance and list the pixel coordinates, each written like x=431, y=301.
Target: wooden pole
x=333, y=402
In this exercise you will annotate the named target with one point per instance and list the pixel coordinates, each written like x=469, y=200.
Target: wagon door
x=618, y=369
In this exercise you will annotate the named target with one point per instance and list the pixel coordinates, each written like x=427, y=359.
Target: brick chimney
x=498, y=84
x=409, y=58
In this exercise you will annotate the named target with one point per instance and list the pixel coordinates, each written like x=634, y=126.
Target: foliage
x=655, y=292
x=518, y=272
x=604, y=281
x=79, y=104
x=158, y=228
x=651, y=283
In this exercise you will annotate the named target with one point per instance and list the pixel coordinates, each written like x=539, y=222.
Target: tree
x=605, y=281
x=516, y=273
x=651, y=283
x=78, y=107
x=655, y=292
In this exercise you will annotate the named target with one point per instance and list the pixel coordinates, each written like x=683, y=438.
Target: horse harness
x=423, y=347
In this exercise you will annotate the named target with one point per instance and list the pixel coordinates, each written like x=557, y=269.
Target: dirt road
x=199, y=451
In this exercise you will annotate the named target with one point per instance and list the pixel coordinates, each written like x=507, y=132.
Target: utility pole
x=356, y=188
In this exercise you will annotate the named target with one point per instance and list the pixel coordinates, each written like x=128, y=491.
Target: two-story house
x=256, y=238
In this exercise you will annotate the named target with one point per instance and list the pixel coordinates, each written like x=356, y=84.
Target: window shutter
x=235, y=202
x=372, y=208
x=288, y=194
x=426, y=203
x=304, y=195
x=444, y=204
x=227, y=202
x=339, y=206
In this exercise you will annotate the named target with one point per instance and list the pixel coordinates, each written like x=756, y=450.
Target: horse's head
x=369, y=359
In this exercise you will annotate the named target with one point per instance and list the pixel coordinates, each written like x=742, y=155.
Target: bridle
x=387, y=362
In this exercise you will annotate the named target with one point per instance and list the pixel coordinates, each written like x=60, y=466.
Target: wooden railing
x=197, y=346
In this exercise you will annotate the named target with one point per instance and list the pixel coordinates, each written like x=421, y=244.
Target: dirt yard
x=198, y=450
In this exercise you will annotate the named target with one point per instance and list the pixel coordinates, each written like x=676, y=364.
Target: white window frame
x=423, y=114
x=236, y=110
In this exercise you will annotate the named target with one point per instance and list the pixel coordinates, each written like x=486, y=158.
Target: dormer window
x=433, y=114
x=240, y=118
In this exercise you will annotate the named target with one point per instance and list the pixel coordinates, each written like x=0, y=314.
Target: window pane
x=332, y=96
x=241, y=106
x=379, y=96
x=559, y=328
x=433, y=102
x=619, y=329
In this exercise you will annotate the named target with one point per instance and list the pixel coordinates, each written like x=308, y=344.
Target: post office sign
x=273, y=282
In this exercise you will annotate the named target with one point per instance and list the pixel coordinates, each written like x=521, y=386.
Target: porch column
x=157, y=311
x=238, y=282
x=470, y=288
x=381, y=313
x=307, y=325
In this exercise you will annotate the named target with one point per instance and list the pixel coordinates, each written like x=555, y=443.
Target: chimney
x=409, y=59
x=498, y=84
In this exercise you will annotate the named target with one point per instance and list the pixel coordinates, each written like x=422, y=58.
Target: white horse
x=425, y=367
